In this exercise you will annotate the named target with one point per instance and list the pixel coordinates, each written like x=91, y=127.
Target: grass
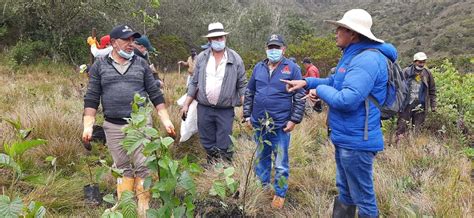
x=423, y=175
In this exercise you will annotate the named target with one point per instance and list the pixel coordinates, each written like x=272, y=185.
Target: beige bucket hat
x=357, y=20
x=215, y=29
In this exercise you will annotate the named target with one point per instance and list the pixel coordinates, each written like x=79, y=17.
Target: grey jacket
x=115, y=91
x=233, y=84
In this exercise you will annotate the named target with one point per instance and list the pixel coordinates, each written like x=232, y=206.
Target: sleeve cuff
x=158, y=100
x=91, y=104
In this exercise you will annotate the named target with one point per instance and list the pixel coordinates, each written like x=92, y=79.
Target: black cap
x=306, y=60
x=123, y=32
x=275, y=39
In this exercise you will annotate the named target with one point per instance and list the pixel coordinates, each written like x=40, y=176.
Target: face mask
x=218, y=45
x=418, y=68
x=126, y=55
x=274, y=55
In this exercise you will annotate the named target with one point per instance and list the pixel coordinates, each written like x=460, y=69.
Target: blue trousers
x=354, y=180
x=279, y=143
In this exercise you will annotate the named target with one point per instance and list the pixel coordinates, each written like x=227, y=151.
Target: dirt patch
x=216, y=208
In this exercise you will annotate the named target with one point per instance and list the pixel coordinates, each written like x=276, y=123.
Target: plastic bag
x=189, y=126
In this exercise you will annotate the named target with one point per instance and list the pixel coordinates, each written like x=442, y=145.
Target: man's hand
x=289, y=126
x=92, y=41
x=248, y=123
x=293, y=85
x=180, y=62
x=169, y=128
x=184, y=111
x=312, y=95
x=88, y=127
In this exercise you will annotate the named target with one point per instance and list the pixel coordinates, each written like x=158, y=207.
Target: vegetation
x=41, y=100
x=34, y=30
x=427, y=174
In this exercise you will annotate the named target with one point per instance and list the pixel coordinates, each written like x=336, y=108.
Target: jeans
x=354, y=180
x=280, y=142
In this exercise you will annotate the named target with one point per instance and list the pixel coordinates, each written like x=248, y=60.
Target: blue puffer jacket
x=360, y=72
x=267, y=94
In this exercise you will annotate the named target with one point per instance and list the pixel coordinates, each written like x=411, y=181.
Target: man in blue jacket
x=273, y=112
x=361, y=71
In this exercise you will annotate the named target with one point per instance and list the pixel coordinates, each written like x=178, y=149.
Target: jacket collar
x=231, y=59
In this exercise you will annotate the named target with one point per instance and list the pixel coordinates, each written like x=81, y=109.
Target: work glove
x=87, y=133
x=92, y=41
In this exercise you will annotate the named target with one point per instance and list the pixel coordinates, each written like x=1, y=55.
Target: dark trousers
x=409, y=115
x=215, y=126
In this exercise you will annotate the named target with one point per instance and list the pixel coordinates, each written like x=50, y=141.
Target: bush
x=322, y=50
x=455, y=97
x=28, y=52
x=171, y=49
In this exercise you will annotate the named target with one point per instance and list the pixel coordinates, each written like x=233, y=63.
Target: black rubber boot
x=341, y=210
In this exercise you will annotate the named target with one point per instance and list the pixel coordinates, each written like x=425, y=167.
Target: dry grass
x=423, y=175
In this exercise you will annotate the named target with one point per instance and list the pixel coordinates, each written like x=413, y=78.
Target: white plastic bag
x=189, y=126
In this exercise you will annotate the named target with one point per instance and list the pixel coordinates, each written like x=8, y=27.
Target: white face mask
x=419, y=68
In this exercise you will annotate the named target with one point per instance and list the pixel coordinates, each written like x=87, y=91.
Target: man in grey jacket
x=218, y=85
x=114, y=80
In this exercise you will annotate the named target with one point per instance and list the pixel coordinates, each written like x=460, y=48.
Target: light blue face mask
x=217, y=45
x=126, y=55
x=274, y=55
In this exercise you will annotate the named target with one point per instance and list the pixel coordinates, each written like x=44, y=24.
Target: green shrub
x=28, y=52
x=322, y=50
x=455, y=97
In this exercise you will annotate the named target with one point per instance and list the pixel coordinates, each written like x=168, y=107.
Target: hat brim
x=215, y=34
x=275, y=43
x=355, y=28
x=130, y=34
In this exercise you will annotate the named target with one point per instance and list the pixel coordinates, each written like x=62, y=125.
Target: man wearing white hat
x=361, y=72
x=421, y=96
x=218, y=85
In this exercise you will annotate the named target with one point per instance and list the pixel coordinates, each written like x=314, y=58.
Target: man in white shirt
x=218, y=85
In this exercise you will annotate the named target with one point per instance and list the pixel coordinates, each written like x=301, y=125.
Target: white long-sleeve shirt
x=101, y=52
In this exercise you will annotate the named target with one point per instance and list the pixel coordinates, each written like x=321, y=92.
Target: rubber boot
x=143, y=197
x=341, y=210
x=124, y=184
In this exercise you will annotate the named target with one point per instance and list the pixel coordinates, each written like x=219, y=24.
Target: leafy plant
x=455, y=97
x=20, y=144
x=175, y=189
x=266, y=127
x=16, y=208
x=225, y=185
x=126, y=207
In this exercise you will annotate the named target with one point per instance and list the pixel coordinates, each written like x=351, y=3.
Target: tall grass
x=423, y=175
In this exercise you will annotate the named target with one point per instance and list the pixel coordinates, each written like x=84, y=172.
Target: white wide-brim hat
x=357, y=20
x=215, y=29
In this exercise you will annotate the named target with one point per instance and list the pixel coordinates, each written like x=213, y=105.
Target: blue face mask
x=126, y=55
x=274, y=55
x=218, y=45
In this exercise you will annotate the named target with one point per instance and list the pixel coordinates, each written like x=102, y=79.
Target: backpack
x=397, y=91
